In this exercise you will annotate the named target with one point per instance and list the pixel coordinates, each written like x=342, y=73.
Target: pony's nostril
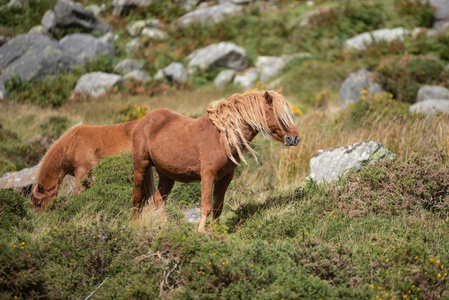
x=297, y=139
x=288, y=139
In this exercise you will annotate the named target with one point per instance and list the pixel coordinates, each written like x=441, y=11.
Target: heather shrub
x=394, y=187
x=403, y=76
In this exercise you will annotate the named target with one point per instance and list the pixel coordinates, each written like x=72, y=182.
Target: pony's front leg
x=207, y=181
x=219, y=193
x=80, y=173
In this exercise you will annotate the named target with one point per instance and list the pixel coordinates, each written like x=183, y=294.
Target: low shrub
x=14, y=208
x=394, y=187
x=403, y=76
x=53, y=91
x=131, y=112
x=421, y=13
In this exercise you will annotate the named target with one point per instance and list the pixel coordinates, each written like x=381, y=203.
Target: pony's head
x=264, y=111
x=41, y=196
x=278, y=114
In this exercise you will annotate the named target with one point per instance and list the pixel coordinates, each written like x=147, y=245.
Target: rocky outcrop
x=270, y=66
x=82, y=47
x=175, y=72
x=127, y=65
x=31, y=57
x=223, y=54
x=19, y=180
x=247, y=78
x=154, y=34
x=428, y=92
x=354, y=85
x=96, y=84
x=122, y=6
x=224, y=78
x=136, y=27
x=328, y=165
x=430, y=107
x=73, y=14
x=133, y=46
x=441, y=15
x=211, y=14
x=361, y=41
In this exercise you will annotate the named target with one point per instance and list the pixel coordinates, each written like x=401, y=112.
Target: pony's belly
x=184, y=176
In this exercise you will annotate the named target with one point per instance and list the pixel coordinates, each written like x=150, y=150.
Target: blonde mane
x=229, y=116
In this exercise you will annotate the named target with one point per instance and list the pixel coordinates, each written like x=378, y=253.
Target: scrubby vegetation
x=379, y=233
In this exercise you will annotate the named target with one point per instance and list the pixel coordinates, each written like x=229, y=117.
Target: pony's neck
x=51, y=167
x=248, y=132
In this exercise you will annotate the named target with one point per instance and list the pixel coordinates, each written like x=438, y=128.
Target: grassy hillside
x=381, y=233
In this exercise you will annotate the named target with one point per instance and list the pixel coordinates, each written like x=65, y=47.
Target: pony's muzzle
x=291, y=140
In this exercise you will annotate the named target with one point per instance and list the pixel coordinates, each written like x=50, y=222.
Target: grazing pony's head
x=264, y=111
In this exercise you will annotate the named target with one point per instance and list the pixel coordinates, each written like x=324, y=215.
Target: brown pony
x=205, y=149
x=76, y=153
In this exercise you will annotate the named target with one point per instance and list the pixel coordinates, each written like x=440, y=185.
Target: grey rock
x=95, y=9
x=211, y=14
x=136, y=27
x=241, y=1
x=192, y=215
x=154, y=34
x=159, y=75
x=127, y=65
x=189, y=4
x=32, y=56
x=136, y=75
x=3, y=40
x=38, y=29
x=224, y=78
x=74, y=14
x=314, y=13
x=108, y=37
x=16, y=4
x=122, y=6
x=360, y=41
x=223, y=54
x=247, y=78
x=49, y=20
x=82, y=47
x=441, y=9
x=96, y=84
x=328, y=165
x=430, y=106
x=354, y=84
x=2, y=91
x=175, y=72
x=427, y=92
x=19, y=180
x=67, y=187
x=133, y=46
x=270, y=66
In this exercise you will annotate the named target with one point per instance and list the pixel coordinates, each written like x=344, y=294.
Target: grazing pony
x=205, y=149
x=76, y=153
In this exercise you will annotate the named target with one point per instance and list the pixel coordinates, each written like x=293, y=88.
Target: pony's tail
x=148, y=185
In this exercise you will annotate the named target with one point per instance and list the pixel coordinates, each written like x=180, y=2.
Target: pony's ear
x=279, y=91
x=268, y=98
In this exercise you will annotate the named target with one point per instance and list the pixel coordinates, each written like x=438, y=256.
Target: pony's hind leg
x=141, y=167
x=163, y=189
x=220, y=189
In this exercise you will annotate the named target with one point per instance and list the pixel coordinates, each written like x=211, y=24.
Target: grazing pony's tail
x=148, y=185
